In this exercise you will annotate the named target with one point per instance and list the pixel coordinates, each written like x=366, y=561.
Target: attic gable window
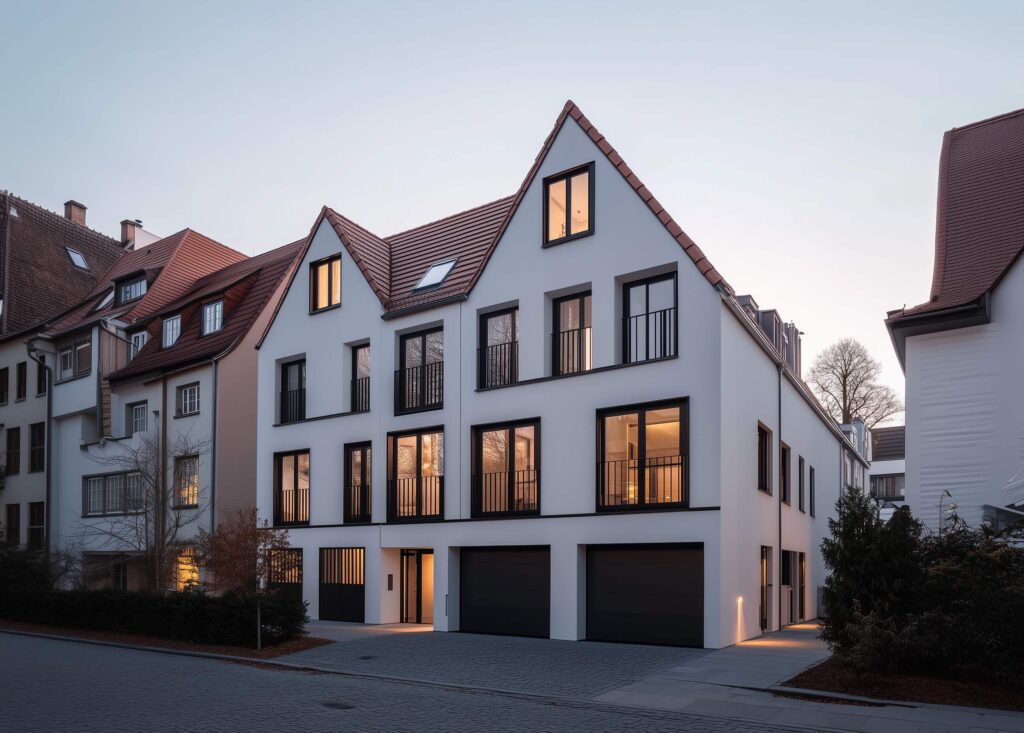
x=435, y=276
x=213, y=317
x=568, y=205
x=325, y=284
x=130, y=290
x=172, y=329
x=77, y=258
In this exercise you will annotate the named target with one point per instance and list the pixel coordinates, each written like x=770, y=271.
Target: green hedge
x=228, y=619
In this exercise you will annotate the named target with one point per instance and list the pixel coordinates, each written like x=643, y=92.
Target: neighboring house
x=155, y=379
x=548, y=415
x=888, y=466
x=961, y=351
x=48, y=263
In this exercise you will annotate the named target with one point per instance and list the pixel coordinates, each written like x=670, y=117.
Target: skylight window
x=107, y=300
x=77, y=258
x=436, y=275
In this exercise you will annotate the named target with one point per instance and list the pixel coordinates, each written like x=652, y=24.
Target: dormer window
x=435, y=276
x=138, y=340
x=107, y=300
x=568, y=204
x=77, y=258
x=213, y=317
x=325, y=284
x=172, y=329
x=130, y=290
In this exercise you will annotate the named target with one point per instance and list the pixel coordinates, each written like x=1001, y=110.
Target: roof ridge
x=450, y=216
x=62, y=217
x=988, y=120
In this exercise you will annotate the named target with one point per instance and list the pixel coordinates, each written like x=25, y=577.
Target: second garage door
x=646, y=594
x=505, y=590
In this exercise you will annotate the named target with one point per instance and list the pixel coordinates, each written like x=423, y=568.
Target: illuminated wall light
x=739, y=618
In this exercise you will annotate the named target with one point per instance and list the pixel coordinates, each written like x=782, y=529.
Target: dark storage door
x=342, y=590
x=646, y=594
x=505, y=590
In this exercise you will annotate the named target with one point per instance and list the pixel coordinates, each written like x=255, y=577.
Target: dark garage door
x=342, y=589
x=646, y=594
x=505, y=590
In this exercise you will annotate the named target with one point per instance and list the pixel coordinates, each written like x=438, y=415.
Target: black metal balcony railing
x=293, y=405
x=419, y=387
x=421, y=497
x=361, y=394
x=649, y=336
x=571, y=351
x=506, y=493
x=291, y=506
x=637, y=482
x=357, y=503
x=499, y=364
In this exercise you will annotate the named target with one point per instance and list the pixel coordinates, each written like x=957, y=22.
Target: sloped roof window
x=77, y=258
x=435, y=276
x=107, y=300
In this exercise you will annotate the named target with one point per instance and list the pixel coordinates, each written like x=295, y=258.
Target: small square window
x=77, y=258
x=435, y=276
x=213, y=317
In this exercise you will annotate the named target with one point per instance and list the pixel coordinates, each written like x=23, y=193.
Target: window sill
x=287, y=525
x=318, y=311
x=319, y=417
x=766, y=492
x=504, y=515
x=568, y=238
x=595, y=370
x=414, y=520
x=417, y=410
x=185, y=506
x=185, y=414
x=643, y=508
x=65, y=380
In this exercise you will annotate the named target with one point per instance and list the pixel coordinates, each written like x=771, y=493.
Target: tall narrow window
x=172, y=329
x=5, y=385
x=415, y=475
x=37, y=447
x=784, y=469
x=36, y=525
x=498, y=354
x=41, y=375
x=12, y=463
x=186, y=569
x=764, y=459
x=419, y=382
x=360, y=378
x=358, y=474
x=649, y=319
x=22, y=383
x=188, y=399
x=800, y=483
x=568, y=204
x=325, y=284
x=810, y=490
x=83, y=357
x=291, y=488
x=213, y=317
x=643, y=456
x=13, y=528
x=138, y=340
x=293, y=391
x=571, y=344
x=506, y=469
x=186, y=482
x=136, y=418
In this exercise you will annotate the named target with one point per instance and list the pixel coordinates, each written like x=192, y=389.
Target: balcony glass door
x=293, y=391
x=499, y=353
x=420, y=380
x=649, y=322
x=571, y=337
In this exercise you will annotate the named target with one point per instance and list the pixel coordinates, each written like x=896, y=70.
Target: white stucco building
x=548, y=415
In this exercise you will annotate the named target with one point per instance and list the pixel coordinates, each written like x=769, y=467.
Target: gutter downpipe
x=213, y=449
x=779, y=494
x=32, y=354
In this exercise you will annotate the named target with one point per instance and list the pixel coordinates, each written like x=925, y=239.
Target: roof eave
x=975, y=313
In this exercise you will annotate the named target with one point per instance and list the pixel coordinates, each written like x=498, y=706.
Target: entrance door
x=417, y=587
x=342, y=589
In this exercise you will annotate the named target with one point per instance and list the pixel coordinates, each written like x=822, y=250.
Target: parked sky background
x=797, y=143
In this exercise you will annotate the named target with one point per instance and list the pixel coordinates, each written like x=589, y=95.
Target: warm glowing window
x=186, y=481
x=416, y=475
x=325, y=284
x=291, y=491
x=186, y=570
x=568, y=206
x=506, y=468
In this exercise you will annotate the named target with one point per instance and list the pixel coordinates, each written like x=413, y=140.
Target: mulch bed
x=832, y=676
x=277, y=650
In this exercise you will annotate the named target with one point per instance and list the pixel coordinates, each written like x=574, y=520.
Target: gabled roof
x=246, y=288
x=39, y=279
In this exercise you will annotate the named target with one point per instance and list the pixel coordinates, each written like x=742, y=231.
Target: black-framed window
x=36, y=525
x=12, y=462
x=293, y=391
x=186, y=482
x=187, y=401
x=649, y=323
x=571, y=336
x=569, y=205
x=800, y=486
x=360, y=397
x=74, y=360
x=36, y=447
x=358, y=480
x=416, y=475
x=784, y=473
x=13, y=527
x=419, y=381
x=112, y=494
x=213, y=317
x=41, y=375
x=130, y=290
x=5, y=385
x=291, y=488
x=764, y=459
x=498, y=355
x=325, y=283
x=22, y=381
x=136, y=417
x=506, y=468
x=643, y=456
x=888, y=486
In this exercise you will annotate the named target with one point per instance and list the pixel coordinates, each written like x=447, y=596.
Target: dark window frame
x=36, y=525
x=126, y=499
x=359, y=399
x=129, y=416
x=392, y=470
x=671, y=331
x=557, y=340
x=313, y=291
x=764, y=458
x=300, y=508
x=13, y=449
x=566, y=176
x=476, y=472
x=800, y=484
x=42, y=383
x=642, y=408
x=810, y=489
x=36, y=449
x=400, y=377
x=785, y=470
x=292, y=408
x=77, y=369
x=129, y=282
x=12, y=538
x=5, y=385
x=179, y=395
x=192, y=502
x=510, y=357
x=366, y=482
x=21, y=381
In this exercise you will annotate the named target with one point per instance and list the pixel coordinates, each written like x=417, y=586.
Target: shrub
x=228, y=619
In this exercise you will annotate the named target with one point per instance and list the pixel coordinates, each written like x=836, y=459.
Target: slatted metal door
x=342, y=584
x=505, y=590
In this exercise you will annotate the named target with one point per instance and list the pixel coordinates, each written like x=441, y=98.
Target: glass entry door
x=417, y=587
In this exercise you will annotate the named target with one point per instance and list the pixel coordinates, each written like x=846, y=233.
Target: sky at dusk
x=797, y=143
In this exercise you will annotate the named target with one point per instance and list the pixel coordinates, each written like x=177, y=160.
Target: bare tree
x=845, y=379
x=159, y=497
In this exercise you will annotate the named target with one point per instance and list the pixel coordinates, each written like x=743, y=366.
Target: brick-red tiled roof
x=39, y=278
x=979, y=230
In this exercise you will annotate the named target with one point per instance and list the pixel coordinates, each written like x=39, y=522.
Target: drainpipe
x=48, y=445
x=213, y=450
x=163, y=466
x=778, y=585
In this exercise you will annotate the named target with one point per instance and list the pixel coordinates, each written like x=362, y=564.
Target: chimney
x=128, y=227
x=75, y=212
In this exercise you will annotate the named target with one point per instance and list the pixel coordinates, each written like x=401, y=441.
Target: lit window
x=567, y=205
x=186, y=570
x=77, y=258
x=188, y=399
x=643, y=454
x=186, y=481
x=138, y=339
x=213, y=317
x=172, y=329
x=131, y=290
x=435, y=275
x=325, y=284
